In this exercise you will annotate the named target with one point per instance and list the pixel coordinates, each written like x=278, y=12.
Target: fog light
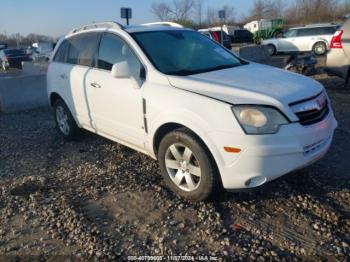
x=255, y=181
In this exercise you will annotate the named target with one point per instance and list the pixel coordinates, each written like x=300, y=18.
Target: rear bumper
x=337, y=63
x=267, y=157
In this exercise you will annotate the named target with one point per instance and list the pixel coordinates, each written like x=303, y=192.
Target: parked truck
x=265, y=28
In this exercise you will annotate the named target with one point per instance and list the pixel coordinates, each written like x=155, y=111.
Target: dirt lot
x=95, y=198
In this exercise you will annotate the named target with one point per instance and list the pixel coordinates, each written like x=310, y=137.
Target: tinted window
x=316, y=31
x=241, y=33
x=114, y=50
x=326, y=30
x=82, y=49
x=307, y=32
x=14, y=52
x=61, y=53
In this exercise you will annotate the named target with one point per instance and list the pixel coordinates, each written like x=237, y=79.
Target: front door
x=116, y=103
x=288, y=42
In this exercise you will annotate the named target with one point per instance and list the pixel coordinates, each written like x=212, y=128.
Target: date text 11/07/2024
x=173, y=258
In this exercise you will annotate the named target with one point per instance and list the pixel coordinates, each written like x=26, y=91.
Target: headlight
x=259, y=119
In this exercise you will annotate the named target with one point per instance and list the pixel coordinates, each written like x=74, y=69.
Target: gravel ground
x=96, y=199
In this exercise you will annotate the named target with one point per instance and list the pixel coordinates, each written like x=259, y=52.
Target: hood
x=250, y=84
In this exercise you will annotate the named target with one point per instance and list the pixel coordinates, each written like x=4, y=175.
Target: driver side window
x=114, y=50
x=290, y=33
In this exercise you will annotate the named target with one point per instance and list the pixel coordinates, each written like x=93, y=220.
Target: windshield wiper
x=186, y=72
x=220, y=67
x=182, y=72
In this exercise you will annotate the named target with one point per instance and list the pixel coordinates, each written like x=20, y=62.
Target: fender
x=190, y=120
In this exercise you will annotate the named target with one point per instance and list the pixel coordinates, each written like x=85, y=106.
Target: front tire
x=65, y=122
x=319, y=48
x=187, y=166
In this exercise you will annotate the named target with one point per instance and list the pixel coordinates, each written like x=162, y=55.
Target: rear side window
x=61, y=53
x=82, y=49
x=307, y=32
x=316, y=31
x=326, y=30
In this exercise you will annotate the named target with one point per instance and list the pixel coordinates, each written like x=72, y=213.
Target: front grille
x=313, y=116
x=311, y=111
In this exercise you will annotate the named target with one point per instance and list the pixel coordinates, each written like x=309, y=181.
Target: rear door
x=116, y=103
x=80, y=59
x=326, y=33
x=305, y=38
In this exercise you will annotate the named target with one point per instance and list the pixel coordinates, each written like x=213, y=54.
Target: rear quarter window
x=61, y=53
x=327, y=30
x=82, y=49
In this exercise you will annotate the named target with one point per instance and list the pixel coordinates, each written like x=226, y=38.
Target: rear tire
x=319, y=48
x=187, y=166
x=271, y=50
x=65, y=123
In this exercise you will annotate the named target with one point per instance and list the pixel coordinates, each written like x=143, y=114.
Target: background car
x=242, y=36
x=13, y=58
x=338, y=59
x=3, y=46
x=311, y=38
x=216, y=36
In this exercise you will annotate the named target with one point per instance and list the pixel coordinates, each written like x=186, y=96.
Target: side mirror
x=121, y=70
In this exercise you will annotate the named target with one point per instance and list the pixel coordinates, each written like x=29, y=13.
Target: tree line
x=194, y=13
x=20, y=41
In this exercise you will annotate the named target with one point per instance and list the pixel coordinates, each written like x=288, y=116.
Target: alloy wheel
x=62, y=120
x=320, y=49
x=183, y=167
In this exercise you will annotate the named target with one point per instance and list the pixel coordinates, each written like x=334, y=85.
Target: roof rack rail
x=98, y=25
x=172, y=24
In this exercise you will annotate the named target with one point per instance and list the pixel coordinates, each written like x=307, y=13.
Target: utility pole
x=222, y=16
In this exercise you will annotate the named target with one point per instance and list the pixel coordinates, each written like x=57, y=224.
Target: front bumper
x=266, y=157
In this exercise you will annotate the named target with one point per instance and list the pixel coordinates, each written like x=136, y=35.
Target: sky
x=56, y=18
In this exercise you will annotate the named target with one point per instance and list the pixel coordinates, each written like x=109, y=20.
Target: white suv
x=315, y=38
x=210, y=118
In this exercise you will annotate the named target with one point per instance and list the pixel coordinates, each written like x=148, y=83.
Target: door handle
x=63, y=76
x=95, y=85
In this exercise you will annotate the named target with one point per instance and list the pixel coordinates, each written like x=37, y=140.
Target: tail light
x=336, y=40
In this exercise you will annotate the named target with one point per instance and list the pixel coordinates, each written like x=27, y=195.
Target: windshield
x=184, y=52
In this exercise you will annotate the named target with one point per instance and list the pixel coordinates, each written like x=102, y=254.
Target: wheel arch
x=324, y=41
x=168, y=127
x=53, y=97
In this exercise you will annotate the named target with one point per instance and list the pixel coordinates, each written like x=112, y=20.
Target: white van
x=211, y=119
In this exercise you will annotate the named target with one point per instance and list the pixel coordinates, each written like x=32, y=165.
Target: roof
x=142, y=28
x=315, y=26
x=131, y=29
